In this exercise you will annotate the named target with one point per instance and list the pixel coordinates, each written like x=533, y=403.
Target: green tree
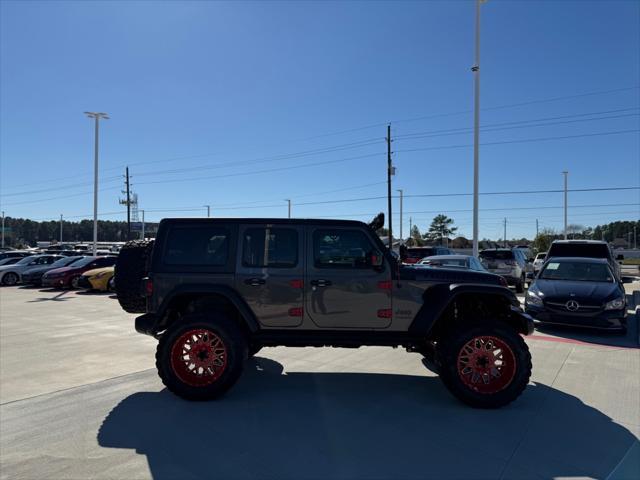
x=543, y=240
x=441, y=228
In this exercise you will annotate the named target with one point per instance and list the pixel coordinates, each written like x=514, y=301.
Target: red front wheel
x=485, y=366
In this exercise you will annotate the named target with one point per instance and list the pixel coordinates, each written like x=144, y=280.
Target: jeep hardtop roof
x=280, y=221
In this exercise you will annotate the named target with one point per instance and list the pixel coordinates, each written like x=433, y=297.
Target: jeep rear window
x=270, y=247
x=197, y=246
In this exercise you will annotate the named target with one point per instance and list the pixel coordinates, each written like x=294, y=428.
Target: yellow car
x=100, y=279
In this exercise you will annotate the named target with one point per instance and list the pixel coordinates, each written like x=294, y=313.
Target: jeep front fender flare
x=439, y=297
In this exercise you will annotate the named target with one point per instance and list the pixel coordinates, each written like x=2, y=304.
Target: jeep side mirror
x=376, y=259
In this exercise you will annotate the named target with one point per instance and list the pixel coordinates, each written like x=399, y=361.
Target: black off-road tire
x=451, y=347
x=131, y=267
x=170, y=355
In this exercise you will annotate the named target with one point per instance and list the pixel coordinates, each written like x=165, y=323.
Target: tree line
x=22, y=232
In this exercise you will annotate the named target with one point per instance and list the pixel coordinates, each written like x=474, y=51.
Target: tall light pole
x=3, y=228
x=142, y=224
x=566, y=174
x=208, y=207
x=61, y=229
x=401, y=198
x=96, y=116
x=476, y=130
x=289, y=207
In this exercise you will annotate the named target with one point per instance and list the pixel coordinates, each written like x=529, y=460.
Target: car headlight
x=616, y=304
x=533, y=298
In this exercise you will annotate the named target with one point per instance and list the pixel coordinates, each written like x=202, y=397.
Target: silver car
x=511, y=264
x=12, y=274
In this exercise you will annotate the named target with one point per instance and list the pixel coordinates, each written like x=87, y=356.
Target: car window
x=270, y=247
x=197, y=246
x=497, y=255
x=420, y=253
x=597, y=250
x=577, y=271
x=341, y=249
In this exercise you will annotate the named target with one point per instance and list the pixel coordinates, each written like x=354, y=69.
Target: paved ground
x=80, y=399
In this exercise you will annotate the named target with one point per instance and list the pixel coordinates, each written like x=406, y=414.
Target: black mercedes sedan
x=33, y=276
x=581, y=292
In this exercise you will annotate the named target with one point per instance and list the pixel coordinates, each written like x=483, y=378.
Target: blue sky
x=242, y=105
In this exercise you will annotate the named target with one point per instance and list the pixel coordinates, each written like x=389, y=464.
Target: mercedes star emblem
x=572, y=305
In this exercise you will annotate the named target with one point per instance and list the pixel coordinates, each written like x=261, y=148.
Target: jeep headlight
x=533, y=298
x=616, y=304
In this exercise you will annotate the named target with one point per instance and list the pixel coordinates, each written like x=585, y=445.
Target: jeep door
x=344, y=288
x=270, y=273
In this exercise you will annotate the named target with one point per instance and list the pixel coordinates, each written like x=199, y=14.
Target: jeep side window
x=341, y=249
x=197, y=246
x=270, y=247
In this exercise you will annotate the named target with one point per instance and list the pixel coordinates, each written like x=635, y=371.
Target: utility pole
x=389, y=167
x=128, y=204
x=96, y=116
x=3, y=228
x=410, y=227
x=289, y=208
x=635, y=238
x=60, y=229
x=566, y=174
x=208, y=207
x=536, y=227
x=505, y=233
x=401, y=197
x=142, y=224
x=476, y=130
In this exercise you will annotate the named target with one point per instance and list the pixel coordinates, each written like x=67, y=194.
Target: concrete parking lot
x=80, y=399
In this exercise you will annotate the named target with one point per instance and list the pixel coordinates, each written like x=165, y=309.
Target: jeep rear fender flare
x=439, y=297
x=224, y=291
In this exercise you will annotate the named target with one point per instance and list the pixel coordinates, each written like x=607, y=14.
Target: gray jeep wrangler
x=215, y=291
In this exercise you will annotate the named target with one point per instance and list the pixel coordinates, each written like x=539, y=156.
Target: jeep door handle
x=320, y=283
x=254, y=282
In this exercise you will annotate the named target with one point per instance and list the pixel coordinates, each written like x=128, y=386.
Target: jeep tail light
x=147, y=287
x=295, y=312
x=385, y=313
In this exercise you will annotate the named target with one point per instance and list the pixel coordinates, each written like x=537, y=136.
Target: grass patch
x=631, y=261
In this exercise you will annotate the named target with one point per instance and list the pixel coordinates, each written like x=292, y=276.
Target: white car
x=538, y=262
x=11, y=274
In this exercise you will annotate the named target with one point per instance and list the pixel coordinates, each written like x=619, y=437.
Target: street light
x=289, y=202
x=565, y=173
x=96, y=116
x=208, y=207
x=401, y=197
x=476, y=129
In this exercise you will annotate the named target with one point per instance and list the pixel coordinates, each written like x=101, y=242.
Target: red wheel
x=486, y=364
x=198, y=357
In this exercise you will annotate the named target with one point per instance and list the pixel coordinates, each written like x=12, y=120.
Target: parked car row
x=57, y=271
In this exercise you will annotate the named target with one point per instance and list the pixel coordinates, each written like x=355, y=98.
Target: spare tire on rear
x=131, y=268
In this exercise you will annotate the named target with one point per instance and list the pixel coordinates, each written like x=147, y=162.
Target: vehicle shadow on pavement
x=362, y=425
x=57, y=298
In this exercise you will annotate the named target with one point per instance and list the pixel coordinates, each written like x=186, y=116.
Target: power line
x=528, y=140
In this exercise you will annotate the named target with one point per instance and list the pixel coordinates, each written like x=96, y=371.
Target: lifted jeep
x=215, y=291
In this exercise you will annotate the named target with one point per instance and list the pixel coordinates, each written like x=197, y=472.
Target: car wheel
x=73, y=283
x=202, y=356
x=487, y=366
x=10, y=278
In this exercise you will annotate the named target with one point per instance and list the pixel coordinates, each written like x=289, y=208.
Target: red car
x=67, y=277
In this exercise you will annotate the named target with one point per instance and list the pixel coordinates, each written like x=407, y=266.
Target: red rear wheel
x=198, y=357
x=486, y=364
